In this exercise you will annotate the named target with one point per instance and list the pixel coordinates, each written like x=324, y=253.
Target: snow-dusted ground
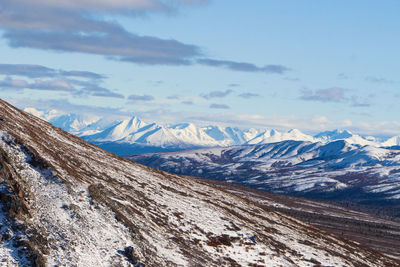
x=90, y=206
x=290, y=166
x=93, y=235
x=9, y=255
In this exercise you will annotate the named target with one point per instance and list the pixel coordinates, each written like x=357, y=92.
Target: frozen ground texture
x=69, y=203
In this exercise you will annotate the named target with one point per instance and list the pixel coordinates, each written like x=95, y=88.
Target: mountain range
x=134, y=136
x=337, y=165
x=66, y=202
x=335, y=170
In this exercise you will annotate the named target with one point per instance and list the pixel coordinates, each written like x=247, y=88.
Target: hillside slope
x=66, y=202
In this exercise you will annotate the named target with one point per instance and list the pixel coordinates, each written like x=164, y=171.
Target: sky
x=307, y=64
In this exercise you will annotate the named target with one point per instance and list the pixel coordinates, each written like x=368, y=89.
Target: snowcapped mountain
x=346, y=135
x=42, y=113
x=336, y=169
x=134, y=136
x=184, y=135
x=118, y=131
x=393, y=141
x=77, y=124
x=66, y=202
x=272, y=136
x=73, y=123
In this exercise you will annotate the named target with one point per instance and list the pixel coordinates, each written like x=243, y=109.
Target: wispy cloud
x=140, y=98
x=95, y=90
x=219, y=106
x=292, y=79
x=173, y=97
x=233, y=85
x=380, y=80
x=187, y=102
x=343, y=76
x=75, y=88
x=52, y=85
x=123, y=7
x=11, y=84
x=75, y=26
x=243, y=66
x=65, y=106
x=37, y=77
x=82, y=74
x=80, y=27
x=36, y=71
x=116, y=45
x=334, y=94
x=248, y=95
x=217, y=94
x=356, y=101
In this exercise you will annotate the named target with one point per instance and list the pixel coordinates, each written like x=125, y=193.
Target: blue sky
x=312, y=65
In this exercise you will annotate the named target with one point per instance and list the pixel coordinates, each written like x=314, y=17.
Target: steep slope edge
x=79, y=205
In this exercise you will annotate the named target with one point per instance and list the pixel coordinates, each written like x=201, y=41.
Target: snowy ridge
x=187, y=135
x=394, y=141
x=102, y=210
x=294, y=167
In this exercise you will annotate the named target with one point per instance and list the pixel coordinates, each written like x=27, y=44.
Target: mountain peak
x=135, y=123
x=334, y=134
x=295, y=131
x=133, y=131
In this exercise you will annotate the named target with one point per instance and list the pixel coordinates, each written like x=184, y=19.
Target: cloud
x=248, y=95
x=189, y=103
x=217, y=94
x=52, y=85
x=36, y=71
x=72, y=26
x=65, y=106
x=373, y=79
x=334, y=94
x=357, y=102
x=82, y=74
x=82, y=27
x=75, y=26
x=26, y=70
x=37, y=77
x=10, y=84
x=219, y=106
x=292, y=79
x=100, y=5
x=173, y=97
x=76, y=88
x=39, y=84
x=125, y=7
x=243, y=66
x=343, y=76
x=140, y=98
x=95, y=90
x=121, y=45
